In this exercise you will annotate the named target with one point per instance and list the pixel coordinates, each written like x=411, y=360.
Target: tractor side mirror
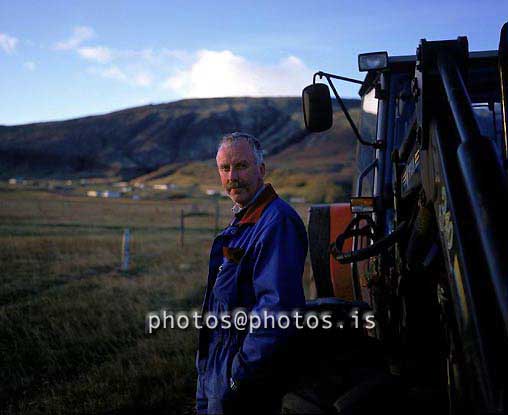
x=317, y=108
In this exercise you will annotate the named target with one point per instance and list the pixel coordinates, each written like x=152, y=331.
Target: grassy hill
x=176, y=143
x=138, y=141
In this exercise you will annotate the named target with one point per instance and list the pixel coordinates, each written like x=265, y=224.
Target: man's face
x=241, y=177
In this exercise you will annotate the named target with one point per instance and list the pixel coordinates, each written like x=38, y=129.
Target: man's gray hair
x=254, y=143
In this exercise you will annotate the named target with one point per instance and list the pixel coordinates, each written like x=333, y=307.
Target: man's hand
x=232, y=402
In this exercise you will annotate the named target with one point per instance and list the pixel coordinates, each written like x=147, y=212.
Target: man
x=256, y=263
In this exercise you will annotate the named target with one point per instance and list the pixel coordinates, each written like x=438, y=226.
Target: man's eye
x=241, y=166
x=225, y=168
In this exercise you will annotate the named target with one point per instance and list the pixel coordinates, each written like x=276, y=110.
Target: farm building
x=110, y=194
x=160, y=187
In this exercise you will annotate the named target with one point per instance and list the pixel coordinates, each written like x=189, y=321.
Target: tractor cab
x=387, y=130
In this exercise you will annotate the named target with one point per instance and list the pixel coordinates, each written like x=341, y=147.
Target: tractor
x=423, y=242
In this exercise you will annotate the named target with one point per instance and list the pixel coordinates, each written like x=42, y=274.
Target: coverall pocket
x=220, y=367
x=225, y=288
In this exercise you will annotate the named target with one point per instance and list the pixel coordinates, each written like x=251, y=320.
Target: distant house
x=110, y=194
x=121, y=184
x=160, y=187
x=139, y=185
x=211, y=192
x=135, y=197
x=17, y=180
x=68, y=182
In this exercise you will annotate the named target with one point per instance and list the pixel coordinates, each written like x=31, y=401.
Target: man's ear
x=262, y=169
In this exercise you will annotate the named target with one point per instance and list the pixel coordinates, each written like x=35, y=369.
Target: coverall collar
x=253, y=211
x=238, y=210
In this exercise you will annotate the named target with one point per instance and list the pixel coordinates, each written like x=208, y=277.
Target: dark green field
x=72, y=325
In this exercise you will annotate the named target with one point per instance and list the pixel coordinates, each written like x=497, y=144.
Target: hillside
x=138, y=141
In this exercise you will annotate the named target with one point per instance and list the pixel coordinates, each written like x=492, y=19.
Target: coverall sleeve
x=279, y=259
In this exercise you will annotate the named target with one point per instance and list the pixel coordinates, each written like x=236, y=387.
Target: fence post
x=182, y=227
x=126, y=249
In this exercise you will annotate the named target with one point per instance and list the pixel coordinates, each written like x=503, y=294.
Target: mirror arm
x=341, y=78
x=376, y=144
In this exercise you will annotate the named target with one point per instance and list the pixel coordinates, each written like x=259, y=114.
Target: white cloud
x=206, y=73
x=222, y=73
x=8, y=43
x=79, y=35
x=202, y=74
x=99, y=54
x=114, y=73
x=30, y=66
x=143, y=79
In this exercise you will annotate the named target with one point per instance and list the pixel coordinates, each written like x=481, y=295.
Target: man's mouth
x=235, y=187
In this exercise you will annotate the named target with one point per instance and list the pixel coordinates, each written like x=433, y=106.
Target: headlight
x=371, y=61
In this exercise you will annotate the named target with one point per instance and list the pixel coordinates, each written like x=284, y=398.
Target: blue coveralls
x=256, y=263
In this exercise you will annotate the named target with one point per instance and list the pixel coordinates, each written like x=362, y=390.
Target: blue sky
x=65, y=59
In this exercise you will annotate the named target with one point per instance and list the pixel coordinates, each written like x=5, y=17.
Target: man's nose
x=233, y=174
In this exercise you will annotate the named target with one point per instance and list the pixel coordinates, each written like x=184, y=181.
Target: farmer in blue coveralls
x=256, y=264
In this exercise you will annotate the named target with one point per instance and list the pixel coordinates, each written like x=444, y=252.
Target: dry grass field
x=72, y=325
